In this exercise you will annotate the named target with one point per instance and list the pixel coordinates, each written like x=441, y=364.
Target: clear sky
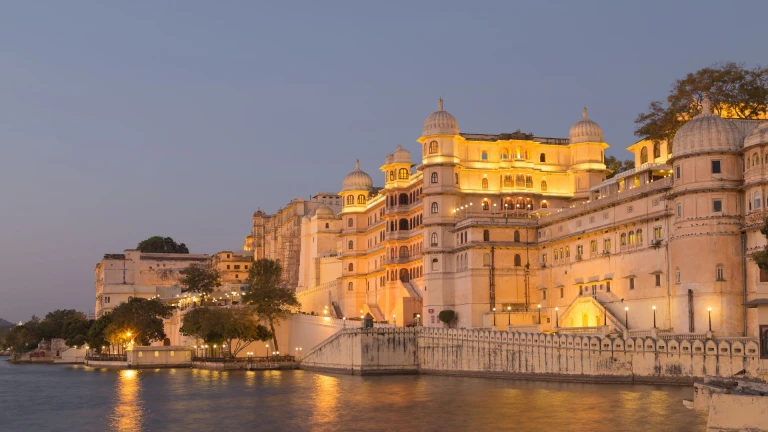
x=123, y=120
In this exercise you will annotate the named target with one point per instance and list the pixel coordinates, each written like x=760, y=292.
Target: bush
x=447, y=316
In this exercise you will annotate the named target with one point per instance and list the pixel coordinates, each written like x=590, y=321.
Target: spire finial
x=584, y=112
x=706, y=106
x=440, y=104
x=357, y=164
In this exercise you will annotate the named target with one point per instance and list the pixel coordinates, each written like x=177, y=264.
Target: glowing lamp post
x=626, y=317
x=557, y=317
x=494, y=317
x=539, y=314
x=509, y=315
x=654, y=316
x=709, y=309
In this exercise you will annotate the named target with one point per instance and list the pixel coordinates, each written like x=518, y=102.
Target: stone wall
x=532, y=355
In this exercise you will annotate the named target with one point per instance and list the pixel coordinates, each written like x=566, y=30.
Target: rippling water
x=47, y=398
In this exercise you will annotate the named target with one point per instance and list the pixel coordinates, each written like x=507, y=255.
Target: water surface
x=76, y=398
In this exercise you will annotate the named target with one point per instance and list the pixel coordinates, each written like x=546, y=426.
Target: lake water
x=76, y=398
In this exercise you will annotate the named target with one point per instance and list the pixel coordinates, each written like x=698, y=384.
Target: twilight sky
x=122, y=120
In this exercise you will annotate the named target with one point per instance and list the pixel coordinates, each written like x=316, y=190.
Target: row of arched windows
x=404, y=198
x=754, y=160
x=631, y=238
x=656, y=153
x=361, y=199
x=405, y=224
x=402, y=174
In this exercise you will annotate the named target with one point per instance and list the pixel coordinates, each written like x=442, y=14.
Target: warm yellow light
x=709, y=309
x=128, y=334
x=539, y=306
x=557, y=309
x=654, y=308
x=509, y=307
x=626, y=308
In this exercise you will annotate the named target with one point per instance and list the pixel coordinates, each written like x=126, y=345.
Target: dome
x=440, y=122
x=401, y=155
x=585, y=130
x=258, y=213
x=389, y=159
x=357, y=180
x=758, y=136
x=707, y=132
x=324, y=212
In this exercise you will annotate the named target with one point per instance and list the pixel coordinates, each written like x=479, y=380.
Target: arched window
x=350, y=200
x=434, y=208
x=542, y=157
x=504, y=154
x=631, y=237
x=543, y=185
x=656, y=150
x=593, y=246
x=556, y=254
x=518, y=261
x=402, y=199
x=544, y=204
x=485, y=183
x=402, y=174
x=486, y=235
x=351, y=245
x=403, y=225
x=486, y=206
x=361, y=199
x=351, y=267
x=433, y=177
x=350, y=222
x=528, y=181
x=403, y=252
x=484, y=155
x=434, y=264
x=433, y=147
x=326, y=225
x=755, y=160
x=623, y=239
x=519, y=152
x=520, y=180
x=567, y=251
x=456, y=177
x=507, y=180
x=433, y=239
x=639, y=236
x=517, y=236
x=757, y=200
x=643, y=155
x=350, y=287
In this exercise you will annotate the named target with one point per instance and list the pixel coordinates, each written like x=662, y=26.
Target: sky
x=123, y=120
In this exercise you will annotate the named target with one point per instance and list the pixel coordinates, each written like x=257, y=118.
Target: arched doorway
x=404, y=275
x=584, y=320
x=166, y=342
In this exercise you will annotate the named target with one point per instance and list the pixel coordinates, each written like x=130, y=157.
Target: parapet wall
x=532, y=355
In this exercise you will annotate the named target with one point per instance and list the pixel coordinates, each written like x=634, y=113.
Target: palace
x=516, y=230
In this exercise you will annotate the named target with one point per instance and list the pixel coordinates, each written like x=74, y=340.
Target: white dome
x=440, y=122
x=357, y=180
x=389, y=159
x=758, y=136
x=401, y=155
x=585, y=130
x=707, y=132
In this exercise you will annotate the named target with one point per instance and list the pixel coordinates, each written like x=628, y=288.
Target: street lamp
x=394, y=320
x=509, y=315
x=267, y=345
x=709, y=309
x=654, y=316
x=494, y=317
x=539, y=314
x=557, y=317
x=626, y=317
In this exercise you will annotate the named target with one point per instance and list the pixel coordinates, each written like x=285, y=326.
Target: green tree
x=761, y=258
x=268, y=295
x=735, y=91
x=235, y=326
x=96, y=336
x=201, y=279
x=616, y=166
x=158, y=244
x=19, y=338
x=142, y=318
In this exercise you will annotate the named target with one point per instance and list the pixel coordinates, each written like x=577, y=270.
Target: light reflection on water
x=38, y=398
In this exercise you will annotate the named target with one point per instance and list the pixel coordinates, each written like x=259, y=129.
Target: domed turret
x=401, y=155
x=389, y=159
x=585, y=130
x=440, y=122
x=259, y=213
x=357, y=180
x=324, y=212
x=707, y=132
x=758, y=136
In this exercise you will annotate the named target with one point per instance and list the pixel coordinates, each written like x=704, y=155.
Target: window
x=433, y=239
x=656, y=150
x=456, y=178
x=679, y=209
x=326, y=225
x=640, y=236
x=351, y=267
x=433, y=177
x=757, y=200
x=227, y=266
x=351, y=245
x=361, y=199
x=434, y=208
x=484, y=155
x=715, y=167
x=507, y=180
x=486, y=206
x=518, y=260
x=658, y=280
x=544, y=259
x=717, y=205
x=631, y=238
x=579, y=250
x=607, y=286
x=520, y=180
x=644, y=155
x=658, y=234
x=562, y=292
x=607, y=245
x=593, y=246
x=631, y=283
x=720, y=273
x=543, y=185
x=528, y=181
x=434, y=264
x=237, y=266
x=567, y=251
x=677, y=172
x=402, y=174
x=544, y=294
x=350, y=287
x=542, y=157
x=544, y=204
x=677, y=275
x=391, y=176
x=505, y=154
x=350, y=222
x=433, y=147
x=516, y=236
x=486, y=235
x=485, y=183
x=623, y=239
x=555, y=254
x=350, y=200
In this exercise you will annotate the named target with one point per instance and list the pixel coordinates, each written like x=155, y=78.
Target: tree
x=198, y=278
x=268, y=295
x=18, y=339
x=96, y=336
x=447, y=316
x=67, y=324
x=616, y=166
x=142, y=318
x=158, y=244
x=734, y=91
x=761, y=258
x=235, y=326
